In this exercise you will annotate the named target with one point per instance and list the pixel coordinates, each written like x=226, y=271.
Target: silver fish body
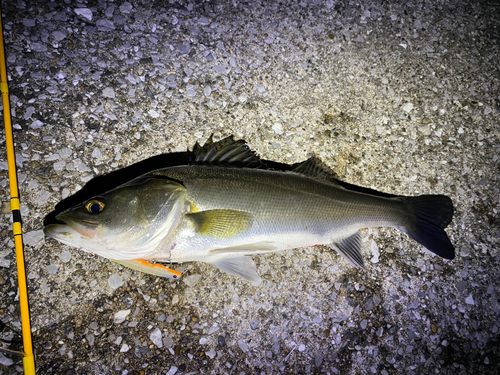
x=285, y=210
x=220, y=214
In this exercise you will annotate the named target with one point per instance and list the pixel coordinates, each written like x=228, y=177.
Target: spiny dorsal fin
x=221, y=223
x=230, y=153
x=226, y=152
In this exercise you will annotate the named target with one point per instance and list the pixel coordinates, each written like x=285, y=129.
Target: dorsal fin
x=226, y=152
x=314, y=167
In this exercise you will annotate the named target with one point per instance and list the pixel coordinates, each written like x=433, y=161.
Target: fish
x=226, y=204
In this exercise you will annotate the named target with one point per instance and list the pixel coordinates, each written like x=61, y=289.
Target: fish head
x=125, y=223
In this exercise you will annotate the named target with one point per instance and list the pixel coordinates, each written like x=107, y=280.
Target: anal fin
x=350, y=249
x=155, y=269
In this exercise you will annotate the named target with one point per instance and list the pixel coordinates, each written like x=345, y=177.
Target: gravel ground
x=401, y=98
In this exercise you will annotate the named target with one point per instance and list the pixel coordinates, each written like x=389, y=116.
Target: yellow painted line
x=29, y=359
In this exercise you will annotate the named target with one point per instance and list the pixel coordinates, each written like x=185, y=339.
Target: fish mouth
x=69, y=228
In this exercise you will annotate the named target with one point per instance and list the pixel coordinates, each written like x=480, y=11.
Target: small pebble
x=156, y=337
x=369, y=304
x=243, y=345
x=191, y=280
x=126, y=7
x=105, y=25
x=38, y=47
x=153, y=113
x=33, y=184
x=59, y=35
x=65, y=153
x=269, y=40
x=29, y=22
x=211, y=353
x=120, y=316
x=108, y=92
x=318, y=359
x=115, y=281
x=375, y=252
x=90, y=339
x=254, y=324
x=203, y=21
x=96, y=153
x=29, y=112
x=4, y=361
x=65, y=256
x=220, y=69
x=42, y=197
x=278, y=129
x=221, y=341
x=33, y=238
x=37, y=124
x=52, y=268
x=59, y=166
x=84, y=12
x=408, y=107
x=172, y=370
x=469, y=300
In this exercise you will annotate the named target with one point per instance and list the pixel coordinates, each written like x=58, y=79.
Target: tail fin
x=432, y=213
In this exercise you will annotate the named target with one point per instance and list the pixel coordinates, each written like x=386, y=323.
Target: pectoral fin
x=155, y=269
x=350, y=249
x=221, y=223
x=236, y=265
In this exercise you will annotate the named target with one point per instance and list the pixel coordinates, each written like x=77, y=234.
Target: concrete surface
x=401, y=98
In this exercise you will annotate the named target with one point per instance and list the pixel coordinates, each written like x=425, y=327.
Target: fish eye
x=95, y=206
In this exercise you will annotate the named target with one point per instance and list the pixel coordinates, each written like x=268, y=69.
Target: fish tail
x=431, y=214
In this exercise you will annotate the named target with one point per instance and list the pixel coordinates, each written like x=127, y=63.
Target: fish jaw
x=86, y=229
x=72, y=232
x=65, y=234
x=86, y=238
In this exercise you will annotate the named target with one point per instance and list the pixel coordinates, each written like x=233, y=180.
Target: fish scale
x=285, y=198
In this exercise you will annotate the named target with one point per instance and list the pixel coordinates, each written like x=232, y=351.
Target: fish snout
x=85, y=228
x=58, y=231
